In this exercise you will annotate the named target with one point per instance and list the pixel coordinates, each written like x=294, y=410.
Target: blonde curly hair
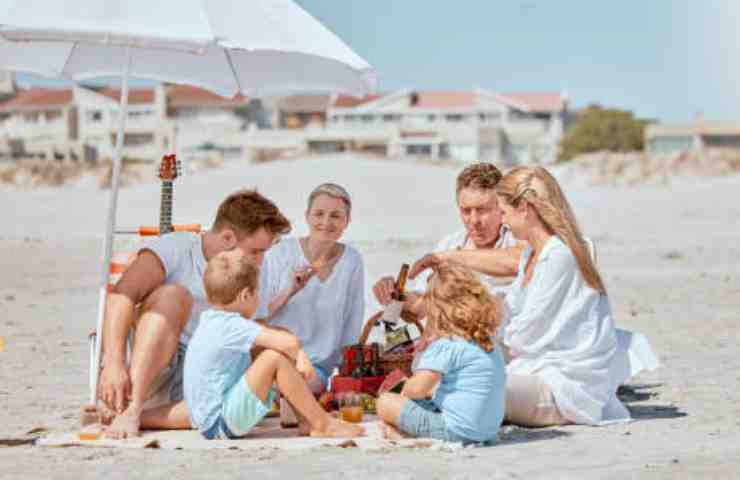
x=458, y=304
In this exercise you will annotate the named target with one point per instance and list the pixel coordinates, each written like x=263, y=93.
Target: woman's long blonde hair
x=457, y=304
x=537, y=187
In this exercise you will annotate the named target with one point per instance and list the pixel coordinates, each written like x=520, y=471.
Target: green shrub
x=598, y=129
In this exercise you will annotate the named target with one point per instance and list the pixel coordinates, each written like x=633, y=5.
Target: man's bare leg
x=174, y=416
x=164, y=315
x=273, y=367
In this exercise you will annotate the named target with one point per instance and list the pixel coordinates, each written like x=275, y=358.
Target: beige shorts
x=530, y=403
x=167, y=386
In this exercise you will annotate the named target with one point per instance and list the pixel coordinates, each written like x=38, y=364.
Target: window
x=454, y=117
x=93, y=116
x=489, y=116
x=419, y=149
x=391, y=117
x=32, y=117
x=367, y=118
x=135, y=139
x=431, y=118
x=52, y=115
x=140, y=113
x=731, y=141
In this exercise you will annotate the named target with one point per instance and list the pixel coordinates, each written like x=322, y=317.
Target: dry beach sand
x=669, y=255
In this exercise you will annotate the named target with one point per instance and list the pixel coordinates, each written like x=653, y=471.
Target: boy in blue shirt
x=232, y=363
x=457, y=391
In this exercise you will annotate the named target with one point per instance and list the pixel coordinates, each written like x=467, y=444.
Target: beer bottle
x=358, y=371
x=392, y=312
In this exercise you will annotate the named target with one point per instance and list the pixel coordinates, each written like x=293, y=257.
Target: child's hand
x=304, y=366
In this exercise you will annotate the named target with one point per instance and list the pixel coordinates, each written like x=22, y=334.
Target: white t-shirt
x=561, y=330
x=325, y=316
x=181, y=254
x=460, y=241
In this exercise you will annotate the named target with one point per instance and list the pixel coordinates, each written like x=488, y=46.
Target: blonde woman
x=456, y=393
x=314, y=286
x=561, y=335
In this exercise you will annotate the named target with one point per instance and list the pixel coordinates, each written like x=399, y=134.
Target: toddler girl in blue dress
x=457, y=390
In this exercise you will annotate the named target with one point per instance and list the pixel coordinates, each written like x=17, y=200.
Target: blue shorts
x=422, y=419
x=240, y=412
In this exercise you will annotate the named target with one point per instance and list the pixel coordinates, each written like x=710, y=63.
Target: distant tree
x=597, y=128
x=253, y=112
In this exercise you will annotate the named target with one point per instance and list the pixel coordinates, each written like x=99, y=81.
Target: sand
x=669, y=256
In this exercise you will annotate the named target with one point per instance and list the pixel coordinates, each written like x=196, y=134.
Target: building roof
x=135, y=95
x=38, y=99
x=304, y=103
x=691, y=129
x=188, y=96
x=444, y=99
x=346, y=101
x=177, y=96
x=544, y=102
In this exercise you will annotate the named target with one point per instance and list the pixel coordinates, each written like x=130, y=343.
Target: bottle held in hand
x=392, y=312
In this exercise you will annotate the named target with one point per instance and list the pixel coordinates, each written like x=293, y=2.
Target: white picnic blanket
x=268, y=435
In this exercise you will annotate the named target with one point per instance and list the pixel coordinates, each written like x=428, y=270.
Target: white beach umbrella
x=256, y=47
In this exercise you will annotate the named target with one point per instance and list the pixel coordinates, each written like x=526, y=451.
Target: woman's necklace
x=321, y=265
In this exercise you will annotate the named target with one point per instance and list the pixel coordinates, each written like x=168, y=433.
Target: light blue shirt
x=471, y=394
x=218, y=355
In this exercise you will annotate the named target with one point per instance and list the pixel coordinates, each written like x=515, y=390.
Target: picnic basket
x=391, y=361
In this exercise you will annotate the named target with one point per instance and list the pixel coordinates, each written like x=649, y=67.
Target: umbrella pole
x=110, y=226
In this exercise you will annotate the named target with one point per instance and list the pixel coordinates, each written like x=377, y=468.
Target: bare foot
x=340, y=428
x=125, y=425
x=95, y=414
x=389, y=432
x=304, y=429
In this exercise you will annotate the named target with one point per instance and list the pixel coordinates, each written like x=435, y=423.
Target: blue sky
x=663, y=59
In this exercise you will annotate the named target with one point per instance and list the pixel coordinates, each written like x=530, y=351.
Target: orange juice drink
x=351, y=414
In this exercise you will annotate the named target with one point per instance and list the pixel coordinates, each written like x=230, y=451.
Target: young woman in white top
x=561, y=336
x=314, y=286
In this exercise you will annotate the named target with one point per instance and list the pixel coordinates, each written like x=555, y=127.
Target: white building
x=162, y=119
x=700, y=135
x=466, y=126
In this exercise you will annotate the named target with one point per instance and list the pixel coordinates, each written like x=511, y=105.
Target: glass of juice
x=350, y=407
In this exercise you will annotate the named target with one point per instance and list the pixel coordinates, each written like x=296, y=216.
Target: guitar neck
x=165, y=208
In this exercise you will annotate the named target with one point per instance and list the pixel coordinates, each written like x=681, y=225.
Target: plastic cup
x=350, y=407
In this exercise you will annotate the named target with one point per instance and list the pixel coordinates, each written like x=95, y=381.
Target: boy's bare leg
x=173, y=416
x=272, y=366
x=165, y=313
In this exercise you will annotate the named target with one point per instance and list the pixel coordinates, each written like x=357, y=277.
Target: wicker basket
x=391, y=361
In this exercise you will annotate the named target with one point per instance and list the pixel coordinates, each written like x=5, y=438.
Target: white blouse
x=561, y=330
x=326, y=315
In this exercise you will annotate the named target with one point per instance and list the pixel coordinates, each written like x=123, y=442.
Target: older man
x=485, y=245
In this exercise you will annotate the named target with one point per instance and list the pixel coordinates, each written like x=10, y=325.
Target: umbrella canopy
x=256, y=47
